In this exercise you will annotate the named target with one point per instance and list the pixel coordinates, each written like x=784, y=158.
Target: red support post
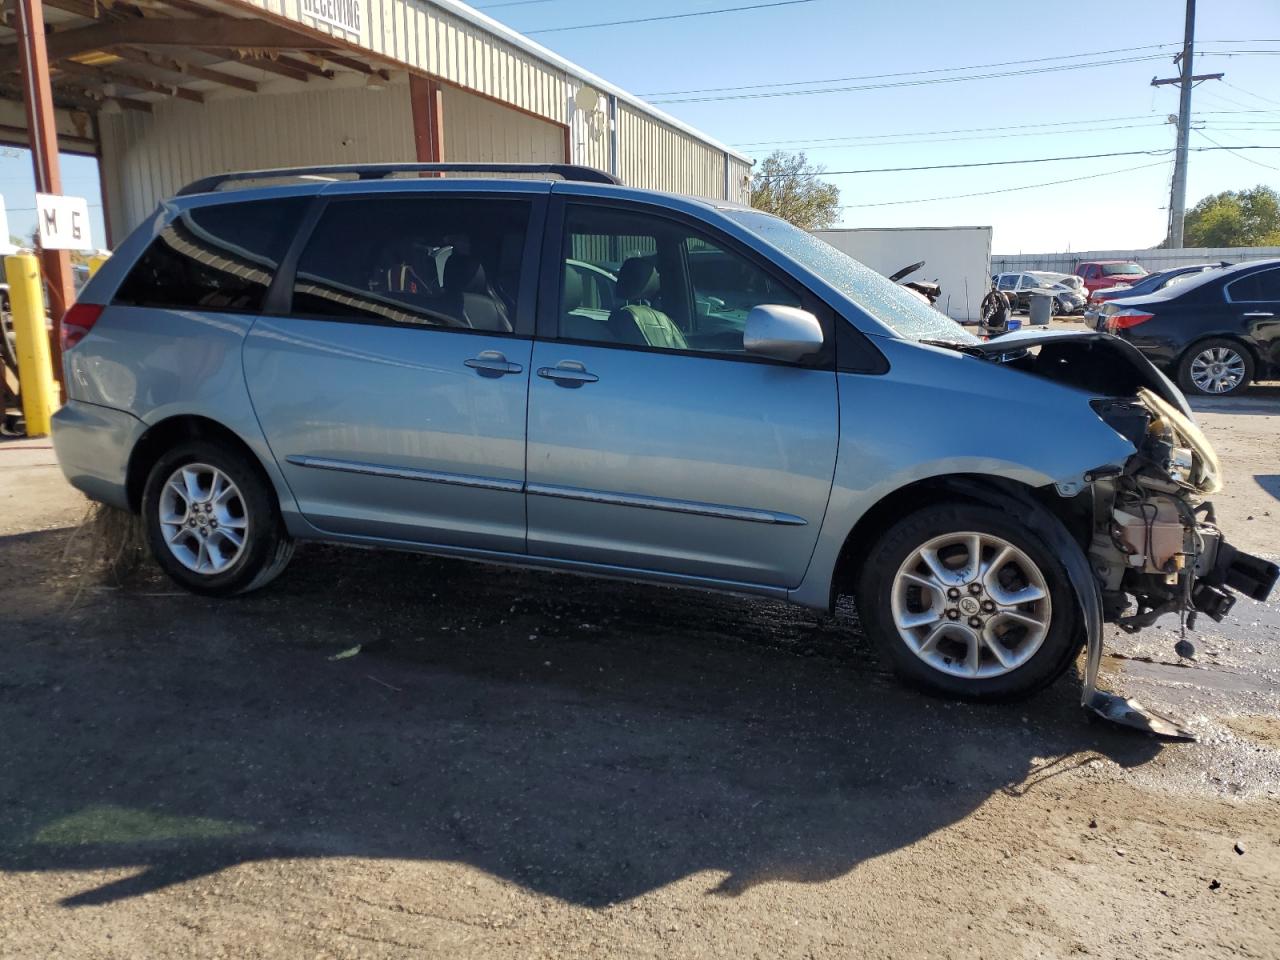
x=37, y=97
x=426, y=99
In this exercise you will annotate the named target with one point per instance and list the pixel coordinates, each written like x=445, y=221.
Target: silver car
x=543, y=367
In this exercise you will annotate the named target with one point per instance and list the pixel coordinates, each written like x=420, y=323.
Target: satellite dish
x=587, y=99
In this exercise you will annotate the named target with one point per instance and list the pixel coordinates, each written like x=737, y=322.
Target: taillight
x=1124, y=319
x=77, y=323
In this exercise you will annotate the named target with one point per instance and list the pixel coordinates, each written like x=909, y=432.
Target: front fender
x=939, y=413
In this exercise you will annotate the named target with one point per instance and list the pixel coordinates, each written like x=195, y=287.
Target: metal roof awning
x=127, y=54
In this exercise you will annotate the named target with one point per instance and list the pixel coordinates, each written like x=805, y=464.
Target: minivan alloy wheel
x=203, y=518
x=1217, y=370
x=971, y=605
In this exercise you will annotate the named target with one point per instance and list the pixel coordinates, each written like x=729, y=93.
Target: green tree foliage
x=1235, y=218
x=790, y=187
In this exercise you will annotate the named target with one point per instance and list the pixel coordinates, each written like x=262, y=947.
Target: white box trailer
x=956, y=258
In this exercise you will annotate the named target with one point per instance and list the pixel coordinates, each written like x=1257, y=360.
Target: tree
x=1235, y=218
x=789, y=186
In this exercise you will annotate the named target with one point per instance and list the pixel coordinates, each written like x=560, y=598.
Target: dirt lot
x=525, y=765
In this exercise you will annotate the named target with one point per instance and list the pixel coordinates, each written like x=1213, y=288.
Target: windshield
x=1122, y=270
x=896, y=307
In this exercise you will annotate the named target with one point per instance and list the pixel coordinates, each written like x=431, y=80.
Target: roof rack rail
x=378, y=171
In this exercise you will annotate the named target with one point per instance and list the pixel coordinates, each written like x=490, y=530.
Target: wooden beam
x=306, y=66
x=221, y=33
x=283, y=66
x=107, y=75
x=426, y=103
x=351, y=63
x=182, y=68
x=85, y=98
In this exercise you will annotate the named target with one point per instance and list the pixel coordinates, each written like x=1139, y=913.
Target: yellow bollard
x=35, y=369
x=96, y=261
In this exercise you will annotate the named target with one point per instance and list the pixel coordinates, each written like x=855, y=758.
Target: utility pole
x=1178, y=196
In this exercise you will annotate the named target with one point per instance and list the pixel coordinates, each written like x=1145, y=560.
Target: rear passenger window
x=221, y=257
x=419, y=261
x=1260, y=287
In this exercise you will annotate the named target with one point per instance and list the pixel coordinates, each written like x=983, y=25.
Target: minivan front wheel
x=212, y=521
x=965, y=601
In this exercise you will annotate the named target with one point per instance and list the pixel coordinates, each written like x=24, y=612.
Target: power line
x=671, y=16
x=974, y=66
x=1013, y=163
x=1012, y=126
x=766, y=91
x=1249, y=93
x=512, y=3
x=904, y=73
x=996, y=75
x=988, y=193
x=1007, y=163
x=1256, y=163
x=800, y=145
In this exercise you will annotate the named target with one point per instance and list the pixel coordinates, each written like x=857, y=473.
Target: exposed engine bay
x=1155, y=547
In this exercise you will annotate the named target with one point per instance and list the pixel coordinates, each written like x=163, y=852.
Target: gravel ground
x=525, y=765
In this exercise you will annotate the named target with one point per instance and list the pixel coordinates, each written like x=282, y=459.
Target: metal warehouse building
x=166, y=91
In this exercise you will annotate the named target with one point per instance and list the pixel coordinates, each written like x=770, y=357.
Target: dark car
x=1216, y=332
x=1151, y=283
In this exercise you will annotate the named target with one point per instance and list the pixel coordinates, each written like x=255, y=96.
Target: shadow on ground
x=1258, y=400
x=1269, y=482
x=587, y=740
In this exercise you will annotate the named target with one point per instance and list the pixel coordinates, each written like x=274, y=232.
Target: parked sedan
x=1148, y=284
x=1068, y=298
x=1216, y=332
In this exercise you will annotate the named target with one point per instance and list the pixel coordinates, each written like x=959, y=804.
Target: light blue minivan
x=537, y=365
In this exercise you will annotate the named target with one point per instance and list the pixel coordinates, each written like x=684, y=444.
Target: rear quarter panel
x=156, y=364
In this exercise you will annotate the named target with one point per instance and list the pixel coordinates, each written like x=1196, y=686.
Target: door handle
x=1259, y=315
x=492, y=363
x=568, y=373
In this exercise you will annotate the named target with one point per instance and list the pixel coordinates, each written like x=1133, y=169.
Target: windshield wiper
x=950, y=344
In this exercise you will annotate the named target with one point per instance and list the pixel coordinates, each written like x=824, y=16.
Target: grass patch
x=108, y=824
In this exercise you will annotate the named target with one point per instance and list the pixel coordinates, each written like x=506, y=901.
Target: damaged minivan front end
x=1155, y=547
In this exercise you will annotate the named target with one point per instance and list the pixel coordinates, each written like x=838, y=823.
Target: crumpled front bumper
x=1221, y=571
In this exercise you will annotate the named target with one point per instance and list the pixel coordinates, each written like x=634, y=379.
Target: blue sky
x=826, y=39
x=1100, y=109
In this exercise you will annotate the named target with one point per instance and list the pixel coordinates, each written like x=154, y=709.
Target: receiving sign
x=63, y=222
x=343, y=14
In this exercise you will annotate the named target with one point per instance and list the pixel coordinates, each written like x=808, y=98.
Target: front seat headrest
x=637, y=280
x=464, y=274
x=573, y=289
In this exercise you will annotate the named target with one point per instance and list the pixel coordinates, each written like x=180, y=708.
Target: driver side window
x=635, y=280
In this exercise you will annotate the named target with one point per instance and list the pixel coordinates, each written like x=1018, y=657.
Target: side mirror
x=782, y=333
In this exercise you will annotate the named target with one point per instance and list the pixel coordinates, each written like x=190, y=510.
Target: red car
x=1100, y=274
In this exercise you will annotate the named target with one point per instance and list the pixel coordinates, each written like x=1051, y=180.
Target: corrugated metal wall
x=739, y=180
x=429, y=38
x=659, y=157
x=589, y=130
x=1153, y=260
x=149, y=157
x=476, y=129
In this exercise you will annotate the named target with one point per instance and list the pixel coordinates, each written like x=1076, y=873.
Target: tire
x=1055, y=308
x=1034, y=658
x=1196, y=368
x=205, y=558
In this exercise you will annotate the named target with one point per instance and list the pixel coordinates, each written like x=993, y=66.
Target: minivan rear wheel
x=212, y=520
x=964, y=601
